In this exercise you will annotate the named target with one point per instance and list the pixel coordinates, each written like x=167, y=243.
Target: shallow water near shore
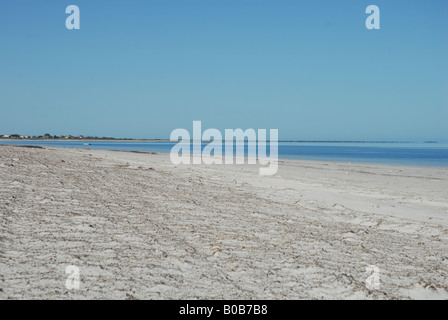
x=406, y=154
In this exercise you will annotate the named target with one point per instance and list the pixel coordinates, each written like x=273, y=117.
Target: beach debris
x=31, y=147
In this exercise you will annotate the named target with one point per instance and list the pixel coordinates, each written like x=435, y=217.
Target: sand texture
x=139, y=227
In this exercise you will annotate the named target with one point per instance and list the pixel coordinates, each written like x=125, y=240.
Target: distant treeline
x=48, y=136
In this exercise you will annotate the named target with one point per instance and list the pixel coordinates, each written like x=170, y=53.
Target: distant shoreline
x=98, y=140
x=168, y=140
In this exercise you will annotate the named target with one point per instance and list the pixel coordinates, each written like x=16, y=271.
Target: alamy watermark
x=234, y=140
x=373, y=277
x=73, y=279
x=72, y=22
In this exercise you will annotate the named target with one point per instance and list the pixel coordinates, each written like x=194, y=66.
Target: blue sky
x=308, y=68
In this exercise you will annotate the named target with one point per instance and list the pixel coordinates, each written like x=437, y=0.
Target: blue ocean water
x=408, y=154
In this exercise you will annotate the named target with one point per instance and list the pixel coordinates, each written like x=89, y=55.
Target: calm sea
x=409, y=154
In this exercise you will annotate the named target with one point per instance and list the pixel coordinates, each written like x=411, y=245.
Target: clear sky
x=308, y=68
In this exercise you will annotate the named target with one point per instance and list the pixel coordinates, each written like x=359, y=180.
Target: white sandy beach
x=139, y=227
